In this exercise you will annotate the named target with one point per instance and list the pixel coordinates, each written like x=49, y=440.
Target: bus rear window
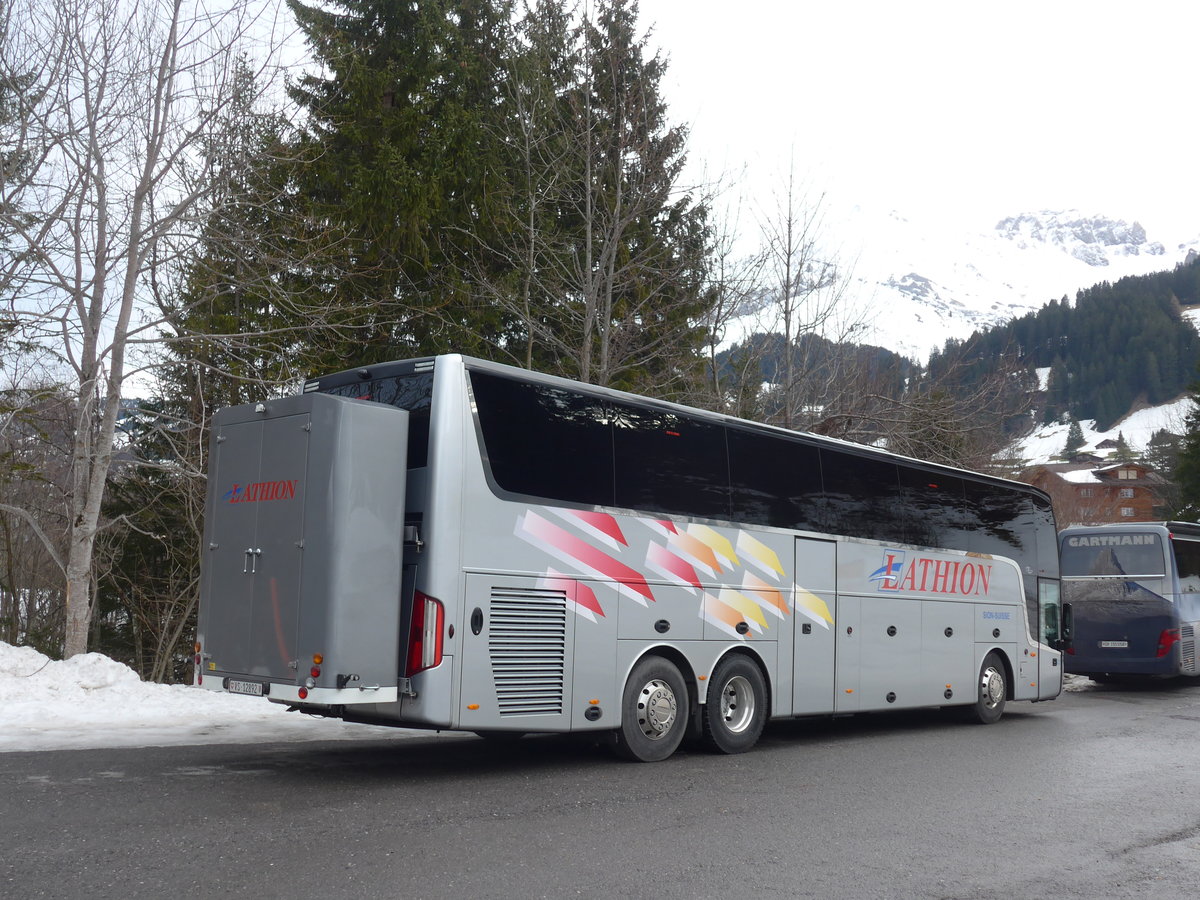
x=1113, y=554
x=543, y=441
x=411, y=392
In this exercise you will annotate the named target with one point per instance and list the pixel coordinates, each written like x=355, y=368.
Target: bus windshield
x=1122, y=555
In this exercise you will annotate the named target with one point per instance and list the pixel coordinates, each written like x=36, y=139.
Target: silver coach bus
x=1131, y=599
x=562, y=557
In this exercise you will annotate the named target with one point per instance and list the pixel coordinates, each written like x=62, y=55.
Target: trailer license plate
x=1115, y=645
x=253, y=688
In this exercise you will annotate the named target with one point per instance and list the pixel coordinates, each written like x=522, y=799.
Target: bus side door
x=815, y=608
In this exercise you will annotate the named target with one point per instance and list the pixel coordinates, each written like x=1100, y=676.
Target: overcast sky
x=973, y=108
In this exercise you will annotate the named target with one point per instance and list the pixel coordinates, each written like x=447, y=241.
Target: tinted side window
x=670, y=463
x=862, y=496
x=1001, y=518
x=1187, y=562
x=933, y=508
x=774, y=480
x=544, y=441
x=1047, y=537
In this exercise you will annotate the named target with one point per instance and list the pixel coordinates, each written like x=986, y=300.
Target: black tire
x=736, y=708
x=991, y=691
x=654, y=711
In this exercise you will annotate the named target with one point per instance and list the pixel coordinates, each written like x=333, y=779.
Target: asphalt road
x=1093, y=795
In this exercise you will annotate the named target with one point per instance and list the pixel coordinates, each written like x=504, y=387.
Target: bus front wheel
x=991, y=691
x=736, y=709
x=654, y=711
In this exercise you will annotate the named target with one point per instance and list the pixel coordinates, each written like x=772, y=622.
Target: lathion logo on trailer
x=261, y=491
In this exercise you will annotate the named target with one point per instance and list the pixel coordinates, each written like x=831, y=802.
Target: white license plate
x=253, y=688
x=1114, y=645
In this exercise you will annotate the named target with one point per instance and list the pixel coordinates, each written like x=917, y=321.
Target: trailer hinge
x=406, y=688
x=413, y=536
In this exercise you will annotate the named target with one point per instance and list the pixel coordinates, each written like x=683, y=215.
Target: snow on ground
x=91, y=701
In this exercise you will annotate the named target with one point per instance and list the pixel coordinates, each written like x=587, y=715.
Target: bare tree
x=116, y=103
x=795, y=362
x=605, y=247
x=35, y=418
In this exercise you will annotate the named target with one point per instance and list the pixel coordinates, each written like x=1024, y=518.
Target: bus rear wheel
x=736, y=709
x=991, y=691
x=654, y=711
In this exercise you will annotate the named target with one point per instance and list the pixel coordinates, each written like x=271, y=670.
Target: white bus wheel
x=654, y=711
x=991, y=691
x=736, y=709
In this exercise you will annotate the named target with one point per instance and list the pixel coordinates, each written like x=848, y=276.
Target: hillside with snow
x=1044, y=444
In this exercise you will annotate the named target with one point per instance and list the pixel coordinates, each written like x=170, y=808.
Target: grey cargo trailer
x=302, y=579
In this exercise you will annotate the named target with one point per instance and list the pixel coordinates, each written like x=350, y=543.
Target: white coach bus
x=566, y=558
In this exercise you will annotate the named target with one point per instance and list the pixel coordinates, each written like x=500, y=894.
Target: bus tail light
x=425, y=635
x=1168, y=639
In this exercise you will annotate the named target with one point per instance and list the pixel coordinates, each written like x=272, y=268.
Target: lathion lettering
x=262, y=491
x=941, y=576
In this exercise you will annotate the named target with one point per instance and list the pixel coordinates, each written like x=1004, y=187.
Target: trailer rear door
x=256, y=554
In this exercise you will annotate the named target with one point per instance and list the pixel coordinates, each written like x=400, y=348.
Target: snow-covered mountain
x=914, y=285
x=921, y=283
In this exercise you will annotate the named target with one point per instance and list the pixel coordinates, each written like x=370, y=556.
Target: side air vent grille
x=527, y=643
x=1187, y=648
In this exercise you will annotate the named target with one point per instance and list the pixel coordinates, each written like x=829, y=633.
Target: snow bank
x=92, y=701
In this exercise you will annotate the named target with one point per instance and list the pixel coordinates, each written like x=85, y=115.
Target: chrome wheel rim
x=991, y=687
x=737, y=704
x=656, y=709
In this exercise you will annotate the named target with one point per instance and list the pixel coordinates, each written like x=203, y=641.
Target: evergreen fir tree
x=1075, y=439
x=1187, y=469
x=1123, y=452
x=404, y=157
x=611, y=255
x=1162, y=452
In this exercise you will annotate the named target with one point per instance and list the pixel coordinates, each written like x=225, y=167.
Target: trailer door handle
x=250, y=564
